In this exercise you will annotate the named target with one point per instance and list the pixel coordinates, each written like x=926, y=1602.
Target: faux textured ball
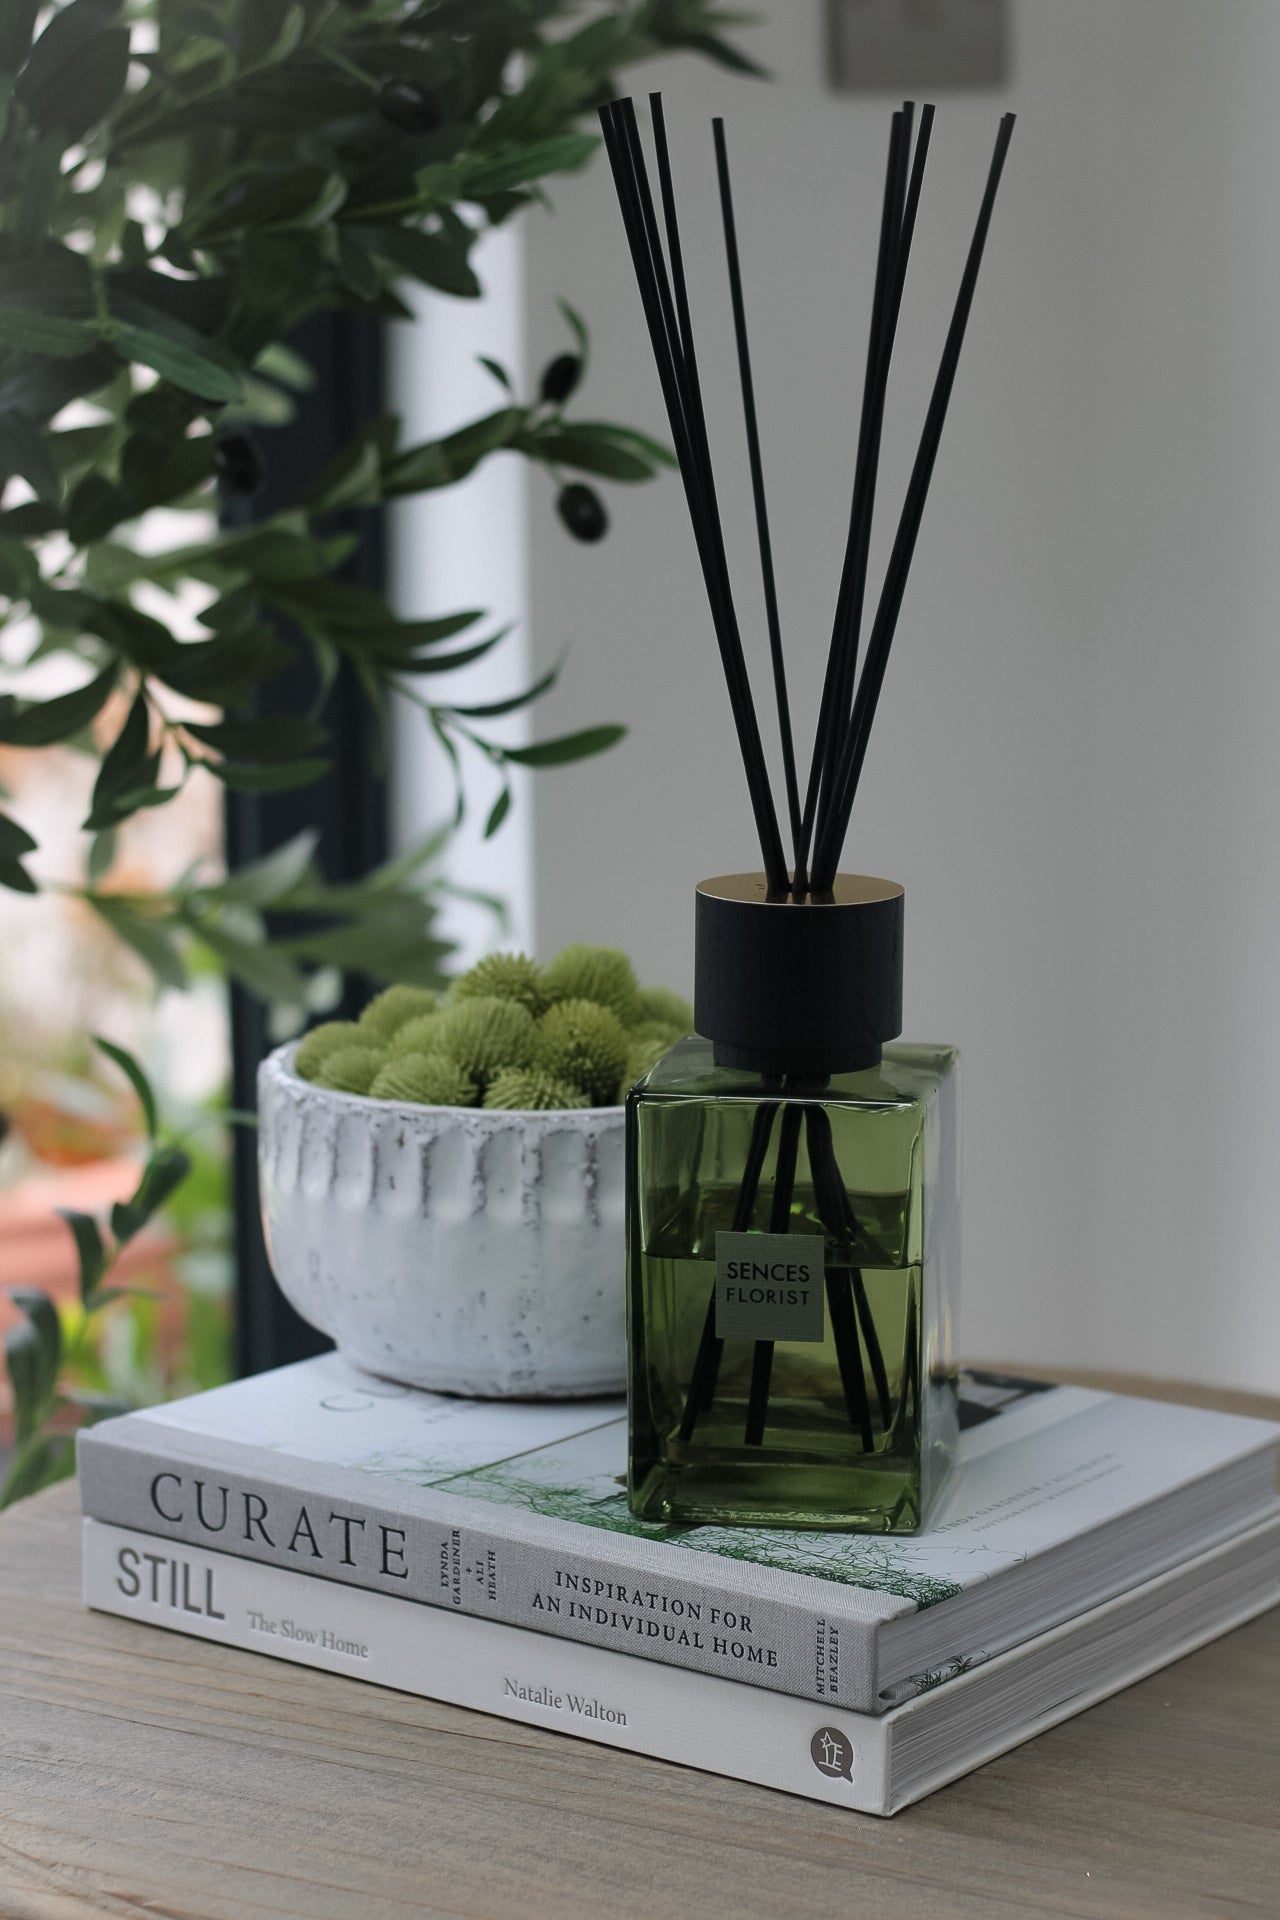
x=646, y=1048
x=660, y=1031
x=602, y=974
x=429, y=1079
x=509, y=1035
x=505, y=976
x=386, y=1014
x=585, y=1044
x=526, y=1090
x=418, y=1035
x=485, y=1035
x=315, y=1047
x=666, y=1008
x=351, y=1069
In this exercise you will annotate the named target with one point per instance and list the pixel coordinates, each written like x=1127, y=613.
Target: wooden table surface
x=145, y=1774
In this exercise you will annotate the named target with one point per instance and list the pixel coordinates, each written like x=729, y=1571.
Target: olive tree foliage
x=182, y=183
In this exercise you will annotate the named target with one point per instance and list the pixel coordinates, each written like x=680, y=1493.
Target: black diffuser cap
x=803, y=988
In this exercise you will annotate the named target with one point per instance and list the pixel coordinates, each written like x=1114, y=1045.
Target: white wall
x=1075, y=770
x=465, y=547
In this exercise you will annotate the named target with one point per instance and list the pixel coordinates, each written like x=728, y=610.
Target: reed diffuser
x=793, y=1205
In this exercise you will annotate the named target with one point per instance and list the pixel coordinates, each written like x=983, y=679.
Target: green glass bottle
x=793, y=1223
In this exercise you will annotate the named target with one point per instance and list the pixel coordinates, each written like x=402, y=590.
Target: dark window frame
x=349, y=806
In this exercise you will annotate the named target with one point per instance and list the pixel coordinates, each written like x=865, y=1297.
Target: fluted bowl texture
x=451, y=1248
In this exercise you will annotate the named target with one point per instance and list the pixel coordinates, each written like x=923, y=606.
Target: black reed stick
x=834, y=1211
x=658, y=317
x=845, y=717
x=846, y=1295
x=670, y=334
x=897, y=232
x=844, y=633
x=775, y=859
x=849, y=618
x=844, y=1334
x=911, y=1347
x=706, y=1365
x=764, y=541
x=784, y=1183
x=875, y=1352
x=853, y=753
x=822, y=764
x=640, y=226
x=697, y=424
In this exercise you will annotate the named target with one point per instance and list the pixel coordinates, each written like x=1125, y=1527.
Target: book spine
x=718, y=1726
x=585, y=1592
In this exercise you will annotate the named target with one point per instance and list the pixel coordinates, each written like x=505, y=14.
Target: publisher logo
x=769, y=1286
x=832, y=1753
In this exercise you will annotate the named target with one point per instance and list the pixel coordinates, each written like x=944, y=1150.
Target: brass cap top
x=848, y=890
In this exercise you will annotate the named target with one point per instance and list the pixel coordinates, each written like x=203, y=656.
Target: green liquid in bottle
x=750, y=1201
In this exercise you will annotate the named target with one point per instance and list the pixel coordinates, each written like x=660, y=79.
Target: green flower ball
x=484, y=1035
x=419, y=1035
x=315, y=1047
x=657, y=1030
x=351, y=1069
x=602, y=974
x=505, y=976
x=585, y=1044
x=645, y=1050
x=386, y=1014
x=429, y=1079
x=525, y=1090
x=661, y=1006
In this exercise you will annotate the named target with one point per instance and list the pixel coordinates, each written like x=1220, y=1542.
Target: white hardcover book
x=517, y=1513
x=866, y=1762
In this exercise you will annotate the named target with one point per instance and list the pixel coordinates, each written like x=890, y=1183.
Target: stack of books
x=483, y=1553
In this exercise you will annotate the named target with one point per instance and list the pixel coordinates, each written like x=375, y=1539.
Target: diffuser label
x=769, y=1286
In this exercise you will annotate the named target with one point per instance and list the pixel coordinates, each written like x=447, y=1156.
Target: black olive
x=559, y=378
x=238, y=463
x=582, y=511
x=409, y=106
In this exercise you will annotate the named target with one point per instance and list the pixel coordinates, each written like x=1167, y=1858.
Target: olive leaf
x=497, y=813
x=137, y=1079
x=33, y=723
x=127, y=777
x=24, y=450
x=37, y=1349
x=291, y=159
x=17, y=25
x=260, y=777
x=15, y=841
x=33, y=1356
x=569, y=747
x=563, y=153
x=268, y=881
x=91, y=1254
x=176, y=353
x=165, y=1170
x=436, y=259
x=152, y=939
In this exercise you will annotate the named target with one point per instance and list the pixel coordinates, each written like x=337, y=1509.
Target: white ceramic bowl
x=451, y=1248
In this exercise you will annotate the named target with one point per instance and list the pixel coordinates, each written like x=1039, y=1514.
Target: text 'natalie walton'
x=564, y=1702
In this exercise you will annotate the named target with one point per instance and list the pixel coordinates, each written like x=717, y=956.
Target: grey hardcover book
x=516, y=1512
x=871, y=1763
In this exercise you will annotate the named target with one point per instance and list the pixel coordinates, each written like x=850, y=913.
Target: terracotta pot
x=451, y=1248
